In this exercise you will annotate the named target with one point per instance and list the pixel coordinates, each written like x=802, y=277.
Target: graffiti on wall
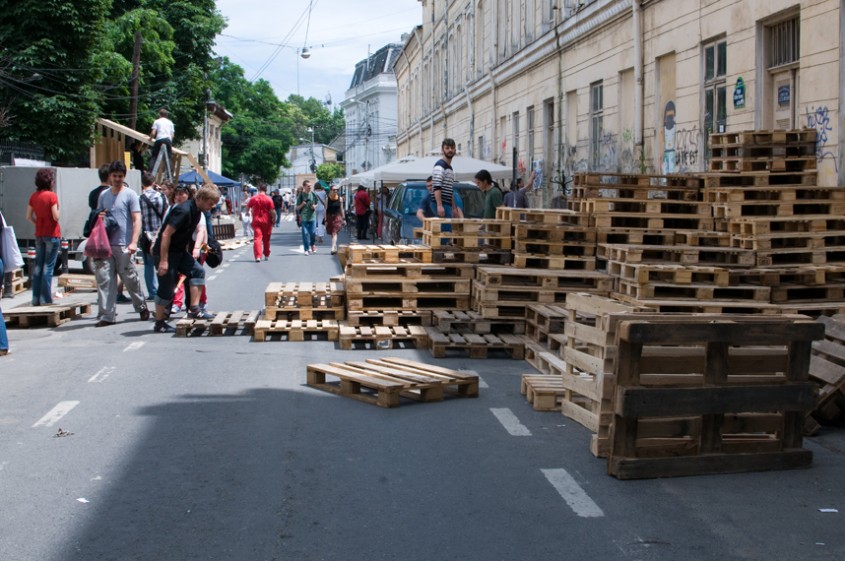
x=687, y=142
x=818, y=118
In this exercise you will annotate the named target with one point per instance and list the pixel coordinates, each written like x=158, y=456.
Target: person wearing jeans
x=43, y=212
x=306, y=205
x=4, y=339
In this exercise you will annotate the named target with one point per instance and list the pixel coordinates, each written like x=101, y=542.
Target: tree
x=50, y=71
x=327, y=124
x=329, y=171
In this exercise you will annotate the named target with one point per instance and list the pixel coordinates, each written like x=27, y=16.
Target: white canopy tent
x=409, y=168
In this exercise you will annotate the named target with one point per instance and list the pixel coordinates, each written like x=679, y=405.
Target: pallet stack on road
x=19, y=282
x=700, y=397
x=384, y=283
x=827, y=369
x=551, y=239
x=763, y=151
x=475, y=336
x=467, y=240
x=299, y=311
x=223, y=323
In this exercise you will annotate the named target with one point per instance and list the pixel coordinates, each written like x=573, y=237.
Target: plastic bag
x=98, y=245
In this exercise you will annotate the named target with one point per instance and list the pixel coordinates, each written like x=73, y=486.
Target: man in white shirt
x=162, y=132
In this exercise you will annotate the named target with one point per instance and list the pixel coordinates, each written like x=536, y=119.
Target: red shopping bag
x=98, y=245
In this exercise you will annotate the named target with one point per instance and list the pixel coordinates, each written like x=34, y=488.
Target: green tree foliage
x=327, y=124
x=50, y=72
x=256, y=140
x=329, y=171
x=63, y=63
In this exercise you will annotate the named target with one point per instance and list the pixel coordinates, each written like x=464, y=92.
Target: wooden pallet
x=457, y=321
x=463, y=226
x=388, y=318
x=827, y=369
x=553, y=233
x=235, y=243
x=304, y=294
x=776, y=164
x=482, y=256
x=684, y=255
x=384, y=382
x=814, y=275
x=759, y=179
x=408, y=270
x=45, y=316
x=292, y=312
x=542, y=392
x=542, y=247
x=778, y=209
x=668, y=423
x=538, y=216
x=381, y=337
x=401, y=286
x=510, y=277
x=541, y=320
x=296, y=330
x=533, y=261
x=475, y=345
x=71, y=282
x=694, y=291
x=223, y=323
x=766, y=138
x=356, y=253
x=677, y=274
x=682, y=187
x=757, y=226
x=414, y=301
x=780, y=194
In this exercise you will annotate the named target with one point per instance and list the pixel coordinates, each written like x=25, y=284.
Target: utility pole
x=136, y=71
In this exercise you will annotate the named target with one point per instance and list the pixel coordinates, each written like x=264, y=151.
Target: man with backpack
x=153, y=207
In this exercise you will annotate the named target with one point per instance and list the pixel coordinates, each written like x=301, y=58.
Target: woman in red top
x=43, y=212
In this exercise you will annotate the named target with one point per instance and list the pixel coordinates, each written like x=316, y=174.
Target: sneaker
x=123, y=299
x=175, y=309
x=257, y=260
x=334, y=252
x=145, y=314
x=103, y=323
x=266, y=257
x=313, y=249
x=162, y=326
x=198, y=313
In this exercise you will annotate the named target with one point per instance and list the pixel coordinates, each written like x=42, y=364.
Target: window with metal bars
x=596, y=124
x=784, y=42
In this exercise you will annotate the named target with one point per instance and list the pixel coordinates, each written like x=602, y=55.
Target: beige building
x=619, y=85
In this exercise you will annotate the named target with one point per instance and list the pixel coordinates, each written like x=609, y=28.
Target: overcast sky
x=263, y=38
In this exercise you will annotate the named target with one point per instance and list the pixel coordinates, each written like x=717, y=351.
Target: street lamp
x=210, y=105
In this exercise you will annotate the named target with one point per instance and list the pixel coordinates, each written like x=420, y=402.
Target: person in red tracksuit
x=262, y=210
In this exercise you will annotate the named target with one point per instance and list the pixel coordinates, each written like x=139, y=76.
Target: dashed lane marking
x=510, y=422
x=101, y=376
x=55, y=414
x=134, y=346
x=577, y=499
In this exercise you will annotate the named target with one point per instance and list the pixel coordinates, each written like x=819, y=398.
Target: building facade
x=564, y=86
x=370, y=109
x=217, y=117
x=304, y=159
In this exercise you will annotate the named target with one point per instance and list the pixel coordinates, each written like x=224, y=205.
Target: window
x=596, y=125
x=715, y=88
x=784, y=43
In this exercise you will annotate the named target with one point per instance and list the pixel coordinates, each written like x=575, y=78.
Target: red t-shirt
x=42, y=203
x=362, y=202
x=261, y=206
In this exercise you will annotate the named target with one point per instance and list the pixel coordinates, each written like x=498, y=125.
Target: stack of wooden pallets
x=474, y=335
x=223, y=323
x=298, y=311
x=551, y=239
x=468, y=240
x=704, y=396
x=827, y=369
x=386, y=283
x=19, y=283
x=762, y=151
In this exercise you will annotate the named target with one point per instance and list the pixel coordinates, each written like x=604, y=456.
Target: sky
x=264, y=37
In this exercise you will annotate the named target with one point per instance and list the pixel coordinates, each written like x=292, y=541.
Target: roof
x=380, y=62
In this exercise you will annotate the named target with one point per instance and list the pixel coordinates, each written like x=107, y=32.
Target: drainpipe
x=638, y=79
x=559, y=160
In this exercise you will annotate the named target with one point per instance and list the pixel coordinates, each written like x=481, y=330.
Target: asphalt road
x=215, y=449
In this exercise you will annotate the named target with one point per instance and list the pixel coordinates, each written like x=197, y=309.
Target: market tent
x=193, y=178
x=409, y=168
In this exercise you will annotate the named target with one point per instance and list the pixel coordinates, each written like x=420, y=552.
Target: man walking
x=123, y=207
x=153, y=206
x=162, y=133
x=173, y=250
x=443, y=178
x=278, y=203
x=260, y=208
x=306, y=206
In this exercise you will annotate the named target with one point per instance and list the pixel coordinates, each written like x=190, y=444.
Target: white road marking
x=101, y=376
x=225, y=266
x=510, y=422
x=577, y=499
x=55, y=414
x=83, y=500
x=482, y=384
x=211, y=278
x=134, y=346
